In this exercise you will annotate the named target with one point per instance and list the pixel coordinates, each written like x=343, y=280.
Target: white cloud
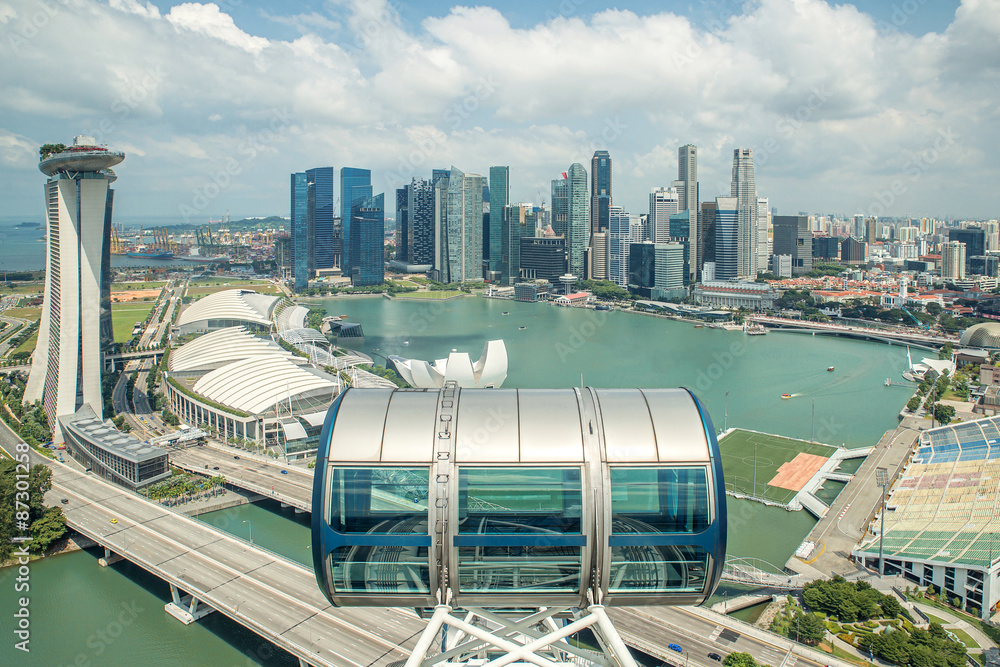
x=6, y=13
x=17, y=151
x=135, y=7
x=210, y=20
x=834, y=107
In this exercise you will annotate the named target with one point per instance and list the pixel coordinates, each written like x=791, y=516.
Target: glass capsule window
x=659, y=500
x=655, y=513
x=378, y=500
x=520, y=529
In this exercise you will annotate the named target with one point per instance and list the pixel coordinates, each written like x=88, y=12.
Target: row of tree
x=45, y=524
x=849, y=601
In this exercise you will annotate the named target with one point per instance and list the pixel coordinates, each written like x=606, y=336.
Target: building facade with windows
x=75, y=325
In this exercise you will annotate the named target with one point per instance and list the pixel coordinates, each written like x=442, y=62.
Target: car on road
x=675, y=647
x=237, y=458
x=114, y=520
x=215, y=467
x=715, y=656
x=64, y=501
x=284, y=472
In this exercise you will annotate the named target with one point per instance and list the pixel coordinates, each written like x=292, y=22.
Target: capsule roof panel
x=517, y=426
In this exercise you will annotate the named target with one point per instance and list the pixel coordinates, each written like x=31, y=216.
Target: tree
x=931, y=590
x=48, y=528
x=809, y=629
x=739, y=659
x=913, y=404
x=944, y=413
x=890, y=606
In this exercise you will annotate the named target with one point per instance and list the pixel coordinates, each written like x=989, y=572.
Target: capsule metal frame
x=632, y=478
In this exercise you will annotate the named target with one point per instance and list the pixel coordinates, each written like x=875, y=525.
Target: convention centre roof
x=222, y=347
x=235, y=304
x=255, y=385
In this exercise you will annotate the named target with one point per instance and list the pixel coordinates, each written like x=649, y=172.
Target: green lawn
x=934, y=619
x=772, y=451
x=29, y=313
x=441, y=294
x=263, y=288
x=22, y=288
x=28, y=345
x=125, y=315
x=137, y=285
x=221, y=280
x=965, y=638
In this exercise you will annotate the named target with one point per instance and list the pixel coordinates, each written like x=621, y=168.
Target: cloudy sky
x=882, y=107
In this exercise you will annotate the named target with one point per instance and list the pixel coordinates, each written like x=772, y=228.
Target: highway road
x=275, y=597
x=293, y=487
x=651, y=629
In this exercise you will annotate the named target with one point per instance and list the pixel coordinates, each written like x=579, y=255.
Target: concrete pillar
x=186, y=608
x=110, y=558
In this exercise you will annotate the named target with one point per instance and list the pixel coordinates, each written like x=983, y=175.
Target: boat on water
x=522, y=327
x=699, y=326
x=755, y=330
x=786, y=396
x=831, y=369
x=602, y=306
x=505, y=313
x=149, y=253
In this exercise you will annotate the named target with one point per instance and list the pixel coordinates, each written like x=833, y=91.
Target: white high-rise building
x=765, y=235
x=76, y=307
x=688, y=198
x=953, y=260
x=599, y=256
x=619, y=240
x=663, y=203
x=744, y=190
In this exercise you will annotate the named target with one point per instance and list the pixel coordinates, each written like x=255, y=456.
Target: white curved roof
x=292, y=317
x=254, y=385
x=235, y=304
x=223, y=347
x=303, y=335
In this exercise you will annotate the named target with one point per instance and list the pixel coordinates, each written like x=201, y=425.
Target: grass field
x=137, y=285
x=442, y=294
x=125, y=315
x=772, y=451
x=30, y=313
x=22, y=288
x=263, y=288
x=221, y=280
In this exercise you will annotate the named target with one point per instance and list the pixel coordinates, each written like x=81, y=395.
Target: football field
x=783, y=465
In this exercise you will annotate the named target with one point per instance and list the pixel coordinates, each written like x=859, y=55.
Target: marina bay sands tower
x=76, y=309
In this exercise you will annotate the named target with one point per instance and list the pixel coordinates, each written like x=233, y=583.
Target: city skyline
x=893, y=99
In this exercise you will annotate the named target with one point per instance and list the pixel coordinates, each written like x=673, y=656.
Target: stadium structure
x=942, y=524
x=254, y=373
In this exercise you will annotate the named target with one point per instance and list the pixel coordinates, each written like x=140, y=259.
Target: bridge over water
x=920, y=340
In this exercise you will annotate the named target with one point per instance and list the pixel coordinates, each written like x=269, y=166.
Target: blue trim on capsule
x=320, y=530
x=520, y=540
x=721, y=522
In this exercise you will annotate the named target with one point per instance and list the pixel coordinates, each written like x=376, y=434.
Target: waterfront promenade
x=845, y=523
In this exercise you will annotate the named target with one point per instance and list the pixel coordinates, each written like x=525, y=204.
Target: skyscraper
x=953, y=260
x=320, y=181
x=619, y=239
x=792, y=237
x=355, y=186
x=367, y=240
x=764, y=235
x=518, y=222
x=706, y=233
x=663, y=203
x=744, y=190
x=560, y=206
x=680, y=232
x=403, y=224
x=577, y=218
x=688, y=199
x=727, y=238
x=974, y=239
x=600, y=191
x=76, y=306
x=459, y=227
x=300, y=231
x=499, y=198
x=420, y=229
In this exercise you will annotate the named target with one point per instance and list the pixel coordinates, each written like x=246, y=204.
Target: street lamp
x=882, y=480
x=726, y=423
x=250, y=528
